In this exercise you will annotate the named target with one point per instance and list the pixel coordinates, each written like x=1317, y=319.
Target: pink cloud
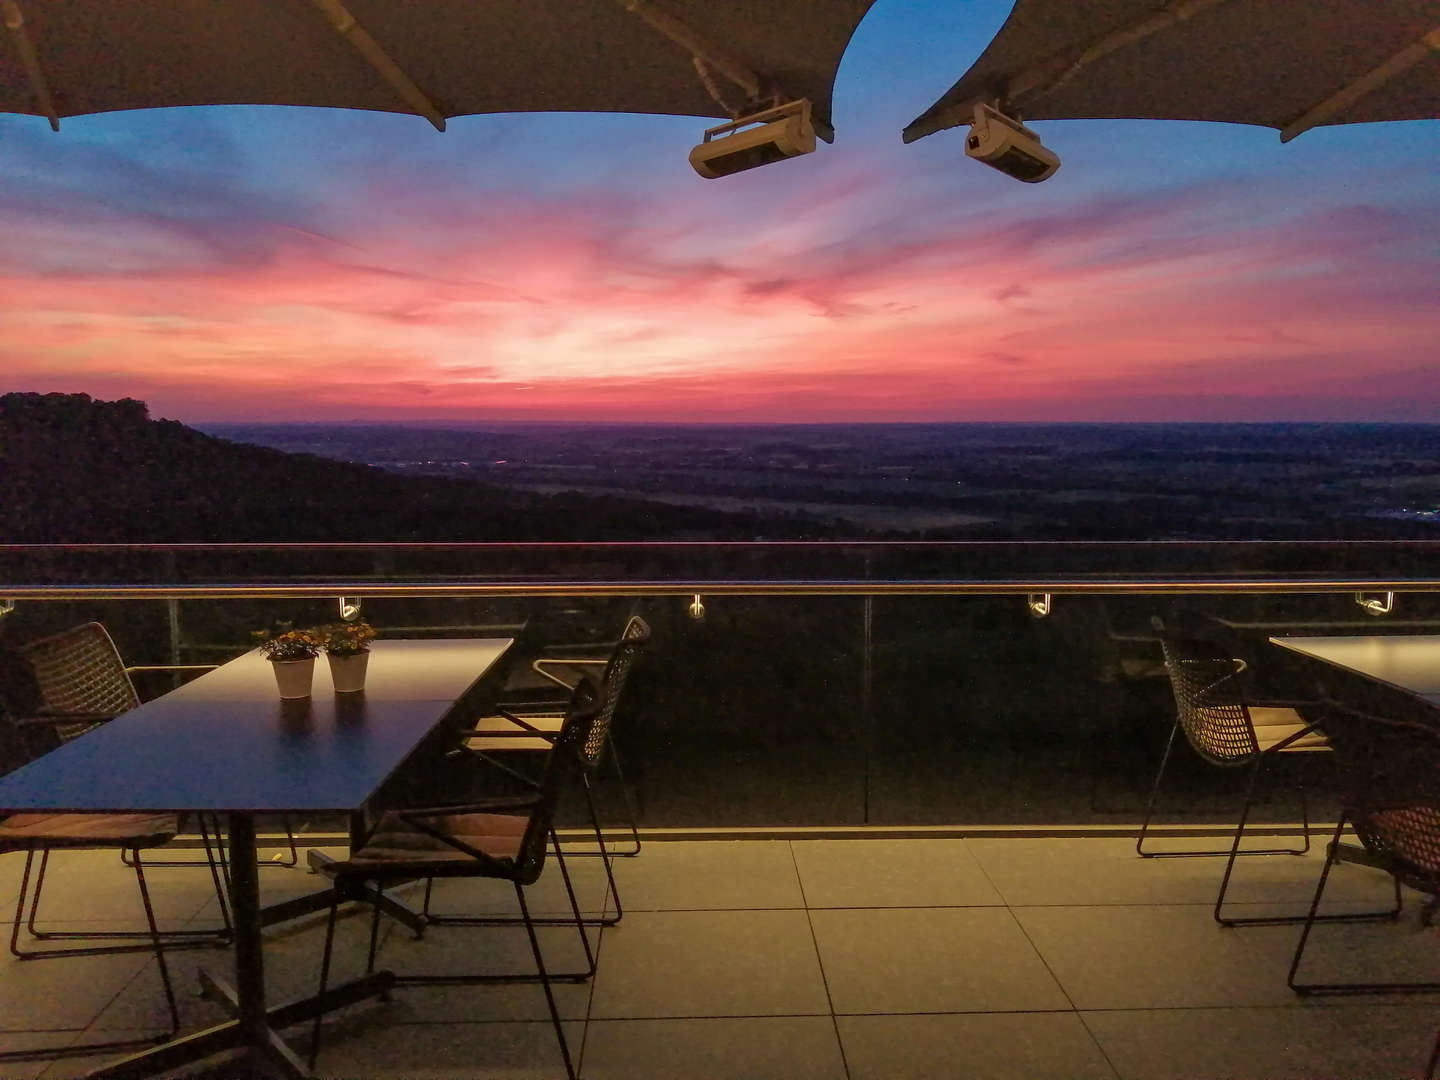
x=1153, y=307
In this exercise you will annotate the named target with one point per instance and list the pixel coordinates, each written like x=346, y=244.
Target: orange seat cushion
x=20, y=831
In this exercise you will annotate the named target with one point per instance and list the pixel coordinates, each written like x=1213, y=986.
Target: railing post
x=867, y=687
x=172, y=615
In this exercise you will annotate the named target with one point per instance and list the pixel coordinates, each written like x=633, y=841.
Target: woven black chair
x=1227, y=729
x=1392, y=802
x=503, y=838
x=60, y=687
x=534, y=729
x=82, y=682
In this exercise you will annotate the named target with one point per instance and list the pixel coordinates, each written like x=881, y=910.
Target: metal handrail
x=688, y=588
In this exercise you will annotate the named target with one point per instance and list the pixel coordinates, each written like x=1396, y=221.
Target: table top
x=1409, y=662
x=227, y=742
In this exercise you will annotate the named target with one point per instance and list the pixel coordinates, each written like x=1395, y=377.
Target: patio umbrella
x=1286, y=64
x=434, y=58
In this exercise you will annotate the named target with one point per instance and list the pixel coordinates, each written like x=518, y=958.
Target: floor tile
x=362, y=1045
x=979, y=1046
x=493, y=950
x=95, y=887
x=1161, y=957
x=28, y=1070
x=547, y=897
x=292, y=969
x=710, y=875
x=733, y=1048
x=891, y=873
x=1107, y=870
x=1377, y=1042
x=62, y=993
x=914, y=960
x=709, y=963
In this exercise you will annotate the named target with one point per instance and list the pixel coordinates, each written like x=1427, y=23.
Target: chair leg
x=1231, y=852
x=614, y=890
x=155, y=944
x=545, y=982
x=221, y=887
x=374, y=938
x=1155, y=795
x=1434, y=1060
x=1284, y=920
x=1312, y=918
x=324, y=981
x=20, y=905
x=176, y=939
x=294, y=859
x=632, y=816
x=580, y=920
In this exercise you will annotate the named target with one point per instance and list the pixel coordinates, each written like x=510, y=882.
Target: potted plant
x=292, y=656
x=347, y=646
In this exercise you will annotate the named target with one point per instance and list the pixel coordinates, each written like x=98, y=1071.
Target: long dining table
x=1409, y=663
x=227, y=744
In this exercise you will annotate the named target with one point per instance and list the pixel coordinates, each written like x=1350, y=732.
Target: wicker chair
x=82, y=682
x=1226, y=729
x=1392, y=802
x=504, y=838
x=63, y=686
x=534, y=729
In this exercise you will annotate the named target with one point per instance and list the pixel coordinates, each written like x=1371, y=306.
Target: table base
x=231, y=1035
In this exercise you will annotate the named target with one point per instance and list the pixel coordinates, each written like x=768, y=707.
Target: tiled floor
x=826, y=959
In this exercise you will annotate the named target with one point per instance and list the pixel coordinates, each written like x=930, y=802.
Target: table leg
x=249, y=952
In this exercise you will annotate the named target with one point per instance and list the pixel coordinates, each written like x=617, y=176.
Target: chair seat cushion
x=1273, y=726
x=397, y=844
x=547, y=722
x=504, y=739
x=87, y=830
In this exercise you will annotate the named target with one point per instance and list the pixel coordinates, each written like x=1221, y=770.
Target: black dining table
x=1409, y=663
x=227, y=744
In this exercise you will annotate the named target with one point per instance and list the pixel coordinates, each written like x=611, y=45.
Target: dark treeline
x=73, y=469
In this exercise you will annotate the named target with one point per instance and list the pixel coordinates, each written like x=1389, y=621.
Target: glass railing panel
x=870, y=706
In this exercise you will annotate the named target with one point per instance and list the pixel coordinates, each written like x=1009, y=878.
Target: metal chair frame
x=173, y=938
x=155, y=944
x=1393, y=806
x=84, y=682
x=617, y=668
x=564, y=761
x=1213, y=712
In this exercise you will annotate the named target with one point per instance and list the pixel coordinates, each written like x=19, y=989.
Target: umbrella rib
x=1366, y=84
x=15, y=21
x=374, y=54
x=732, y=67
x=1056, y=70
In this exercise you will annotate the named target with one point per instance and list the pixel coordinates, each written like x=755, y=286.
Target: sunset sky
x=288, y=264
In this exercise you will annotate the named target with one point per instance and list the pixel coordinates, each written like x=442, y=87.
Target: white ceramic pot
x=293, y=677
x=348, y=672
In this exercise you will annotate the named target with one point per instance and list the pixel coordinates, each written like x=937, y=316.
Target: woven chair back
x=79, y=670
x=617, y=671
x=562, y=768
x=1392, y=783
x=1208, y=701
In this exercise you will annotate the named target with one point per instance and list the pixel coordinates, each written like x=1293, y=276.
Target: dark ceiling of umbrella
x=1266, y=62
x=445, y=57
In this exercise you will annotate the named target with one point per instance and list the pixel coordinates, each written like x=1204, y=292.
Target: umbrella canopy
x=1287, y=64
x=434, y=58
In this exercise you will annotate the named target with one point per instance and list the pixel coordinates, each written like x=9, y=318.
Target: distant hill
x=73, y=469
